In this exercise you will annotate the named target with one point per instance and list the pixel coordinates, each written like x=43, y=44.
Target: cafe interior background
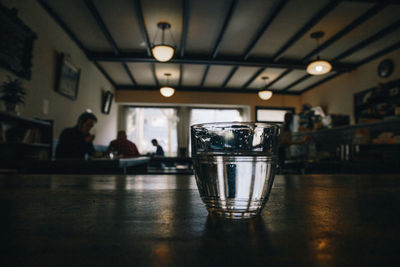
x=225, y=52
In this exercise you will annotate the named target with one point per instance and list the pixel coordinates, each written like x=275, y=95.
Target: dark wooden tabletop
x=150, y=220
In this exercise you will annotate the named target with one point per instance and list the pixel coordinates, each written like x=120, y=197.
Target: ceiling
x=228, y=45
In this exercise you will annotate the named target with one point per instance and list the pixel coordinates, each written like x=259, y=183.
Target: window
x=204, y=115
x=146, y=123
x=264, y=114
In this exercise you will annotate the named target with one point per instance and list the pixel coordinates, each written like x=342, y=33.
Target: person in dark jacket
x=76, y=142
x=160, y=150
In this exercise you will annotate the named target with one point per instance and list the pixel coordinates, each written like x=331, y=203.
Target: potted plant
x=12, y=93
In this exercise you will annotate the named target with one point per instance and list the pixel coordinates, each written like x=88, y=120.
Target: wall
x=336, y=96
x=52, y=39
x=217, y=98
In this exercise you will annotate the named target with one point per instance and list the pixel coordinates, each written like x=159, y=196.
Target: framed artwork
x=106, y=103
x=67, y=82
x=16, y=43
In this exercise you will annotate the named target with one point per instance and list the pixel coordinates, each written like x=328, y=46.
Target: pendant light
x=167, y=91
x=318, y=66
x=163, y=52
x=265, y=94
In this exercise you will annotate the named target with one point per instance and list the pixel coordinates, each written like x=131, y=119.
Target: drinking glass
x=234, y=164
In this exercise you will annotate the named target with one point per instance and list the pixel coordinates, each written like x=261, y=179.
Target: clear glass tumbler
x=234, y=165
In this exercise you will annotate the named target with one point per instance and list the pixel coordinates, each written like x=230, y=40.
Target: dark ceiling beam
x=283, y=74
x=252, y=78
x=204, y=60
x=180, y=75
x=142, y=27
x=128, y=71
x=305, y=77
x=311, y=23
x=354, y=24
x=73, y=37
x=227, y=20
x=273, y=14
x=374, y=56
x=203, y=79
x=392, y=2
x=205, y=89
x=100, y=22
x=388, y=30
x=62, y=24
x=102, y=70
x=357, y=22
x=230, y=75
x=222, y=32
x=321, y=81
x=153, y=71
x=185, y=26
x=379, y=54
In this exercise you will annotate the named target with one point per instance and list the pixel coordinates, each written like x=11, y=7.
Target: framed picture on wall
x=106, y=103
x=16, y=43
x=67, y=81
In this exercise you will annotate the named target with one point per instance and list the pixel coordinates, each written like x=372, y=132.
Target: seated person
x=76, y=142
x=160, y=150
x=123, y=147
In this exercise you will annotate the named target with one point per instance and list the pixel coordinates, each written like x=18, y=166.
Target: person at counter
x=76, y=142
x=123, y=147
x=285, y=140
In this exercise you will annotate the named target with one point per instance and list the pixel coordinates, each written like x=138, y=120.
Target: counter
x=159, y=220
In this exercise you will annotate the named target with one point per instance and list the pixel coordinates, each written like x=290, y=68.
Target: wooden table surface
x=159, y=220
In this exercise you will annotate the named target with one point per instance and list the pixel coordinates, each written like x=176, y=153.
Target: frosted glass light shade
x=319, y=67
x=167, y=91
x=265, y=95
x=163, y=53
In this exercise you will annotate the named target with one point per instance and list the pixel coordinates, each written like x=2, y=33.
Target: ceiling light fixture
x=163, y=52
x=167, y=91
x=265, y=94
x=318, y=66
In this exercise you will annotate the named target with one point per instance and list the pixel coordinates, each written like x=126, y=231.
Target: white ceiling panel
x=245, y=22
x=375, y=47
x=206, y=19
x=170, y=11
x=79, y=20
x=335, y=21
x=142, y=73
x=118, y=15
x=216, y=76
x=290, y=78
x=293, y=16
x=271, y=73
x=117, y=72
x=310, y=81
x=367, y=29
x=241, y=76
x=162, y=69
x=192, y=74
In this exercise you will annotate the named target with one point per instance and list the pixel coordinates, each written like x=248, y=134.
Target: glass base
x=233, y=208
x=233, y=215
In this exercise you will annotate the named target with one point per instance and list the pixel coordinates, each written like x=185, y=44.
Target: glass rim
x=234, y=123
